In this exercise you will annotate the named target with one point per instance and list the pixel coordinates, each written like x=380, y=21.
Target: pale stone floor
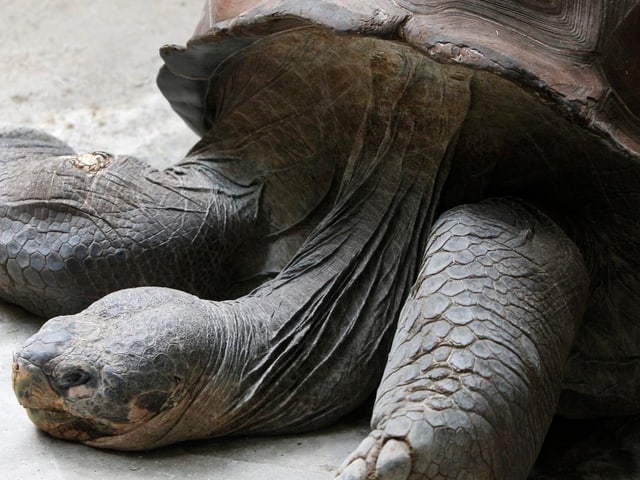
x=85, y=72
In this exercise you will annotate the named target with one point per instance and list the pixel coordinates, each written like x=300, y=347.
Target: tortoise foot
x=379, y=455
x=417, y=442
x=420, y=443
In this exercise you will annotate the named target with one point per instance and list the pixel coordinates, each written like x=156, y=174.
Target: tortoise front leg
x=476, y=366
x=74, y=227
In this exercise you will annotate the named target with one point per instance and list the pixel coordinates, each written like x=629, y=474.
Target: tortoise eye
x=71, y=379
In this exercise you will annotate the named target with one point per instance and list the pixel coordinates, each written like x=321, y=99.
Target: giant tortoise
x=439, y=199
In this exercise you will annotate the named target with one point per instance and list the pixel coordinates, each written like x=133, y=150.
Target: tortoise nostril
x=44, y=346
x=73, y=378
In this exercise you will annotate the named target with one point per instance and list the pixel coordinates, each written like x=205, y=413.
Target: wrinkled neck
x=308, y=346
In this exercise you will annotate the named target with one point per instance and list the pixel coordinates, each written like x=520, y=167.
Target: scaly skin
x=309, y=345
x=226, y=218
x=270, y=366
x=488, y=326
x=76, y=227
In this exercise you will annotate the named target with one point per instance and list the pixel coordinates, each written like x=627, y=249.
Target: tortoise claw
x=355, y=469
x=394, y=460
x=379, y=457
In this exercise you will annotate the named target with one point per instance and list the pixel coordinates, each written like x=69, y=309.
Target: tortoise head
x=127, y=365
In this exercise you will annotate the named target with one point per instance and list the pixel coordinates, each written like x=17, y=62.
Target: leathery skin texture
x=87, y=224
x=472, y=382
x=477, y=360
x=307, y=347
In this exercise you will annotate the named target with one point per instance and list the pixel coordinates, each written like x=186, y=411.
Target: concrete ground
x=85, y=72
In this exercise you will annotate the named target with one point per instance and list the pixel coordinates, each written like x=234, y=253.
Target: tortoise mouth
x=46, y=408
x=56, y=413
x=63, y=425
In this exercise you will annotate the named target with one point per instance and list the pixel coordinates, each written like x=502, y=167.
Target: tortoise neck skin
x=272, y=368
x=276, y=371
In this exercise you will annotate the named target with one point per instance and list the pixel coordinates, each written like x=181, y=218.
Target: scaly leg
x=475, y=370
x=76, y=227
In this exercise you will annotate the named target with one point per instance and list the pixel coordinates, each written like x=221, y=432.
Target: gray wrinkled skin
x=490, y=358
x=329, y=157
x=357, y=264
x=81, y=226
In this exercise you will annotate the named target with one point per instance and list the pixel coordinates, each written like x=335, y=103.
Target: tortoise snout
x=44, y=346
x=31, y=386
x=19, y=378
x=45, y=363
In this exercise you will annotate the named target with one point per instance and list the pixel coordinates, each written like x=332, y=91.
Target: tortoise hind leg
x=476, y=366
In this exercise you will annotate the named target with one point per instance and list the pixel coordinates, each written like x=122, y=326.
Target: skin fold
x=335, y=197
x=347, y=271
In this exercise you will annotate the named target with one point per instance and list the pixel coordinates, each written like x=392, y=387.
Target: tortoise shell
x=580, y=55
